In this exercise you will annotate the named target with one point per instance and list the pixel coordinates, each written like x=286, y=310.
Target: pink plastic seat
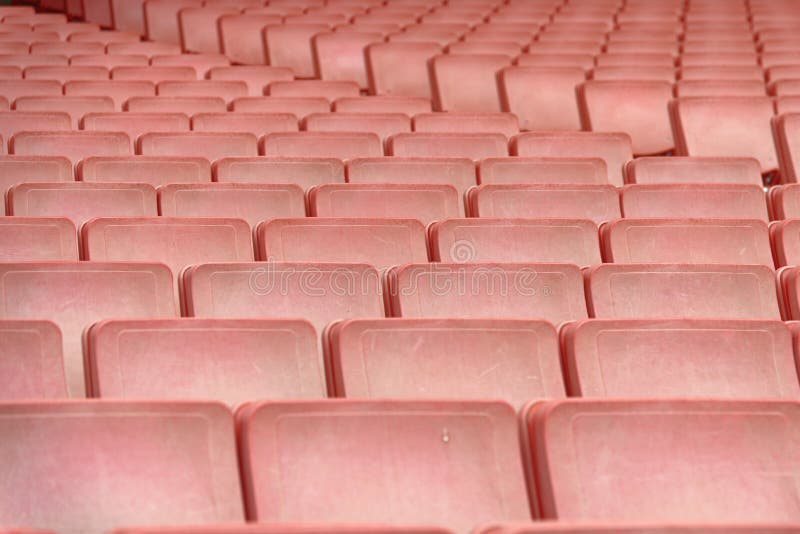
x=686, y=241
x=18, y=169
x=304, y=171
x=515, y=241
x=542, y=97
x=650, y=439
x=75, y=145
x=382, y=104
x=144, y=368
x=549, y=291
x=452, y=145
x=178, y=460
x=201, y=144
x=784, y=201
x=298, y=106
x=521, y=170
x=257, y=77
x=493, y=488
x=194, y=24
x=787, y=133
x=135, y=124
x=153, y=170
x=712, y=88
x=330, y=90
x=24, y=61
x=12, y=89
x=674, y=169
x=596, y=203
x=682, y=290
x=32, y=364
x=381, y=124
x=785, y=242
x=149, y=49
x=76, y=106
x=454, y=122
x=225, y=89
x=615, y=148
x=109, y=60
x=48, y=291
x=119, y=91
x=638, y=108
x=202, y=63
x=653, y=73
x=252, y=203
x=104, y=37
x=341, y=55
x=725, y=126
x=289, y=45
x=37, y=239
x=66, y=74
x=440, y=358
x=424, y=202
x=241, y=39
x=342, y=145
x=400, y=68
x=714, y=200
x=557, y=59
x=161, y=19
x=68, y=49
x=466, y=82
x=188, y=105
x=14, y=122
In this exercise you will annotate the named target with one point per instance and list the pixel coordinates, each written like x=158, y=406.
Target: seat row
x=457, y=464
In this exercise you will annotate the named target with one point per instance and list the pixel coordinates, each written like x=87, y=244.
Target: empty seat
x=75, y=106
x=693, y=170
x=520, y=170
x=109, y=61
x=515, y=241
x=381, y=124
x=298, y=106
x=320, y=293
x=11, y=89
x=382, y=104
x=785, y=129
x=342, y=145
x=119, y=91
x=713, y=88
x=561, y=59
x=785, y=87
x=153, y=170
x=188, y=105
x=209, y=145
x=638, y=108
x=37, y=239
x=75, y=295
x=725, y=126
x=549, y=291
x=74, y=145
x=615, y=148
x=543, y=98
x=202, y=63
x=453, y=145
x=257, y=124
x=601, y=527
x=289, y=45
x=303, y=171
x=512, y=360
x=176, y=242
x=382, y=243
x=195, y=22
x=400, y=68
x=784, y=201
x=255, y=528
x=686, y=241
x=251, y=202
x=658, y=358
x=785, y=241
x=634, y=72
x=241, y=39
x=80, y=202
x=18, y=169
x=66, y=74
x=663, y=451
x=144, y=48
x=330, y=90
x=455, y=122
x=466, y=82
x=420, y=439
x=136, y=124
x=154, y=74
x=682, y=290
x=31, y=361
x=144, y=369
x=257, y=77
x=789, y=283
x=13, y=122
x=341, y=55
x=104, y=37
x=25, y=61
x=424, y=202
x=139, y=453
x=714, y=200
x=597, y=203
x=225, y=89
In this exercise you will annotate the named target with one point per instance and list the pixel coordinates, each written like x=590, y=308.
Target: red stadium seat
x=454, y=122
x=37, y=239
x=618, y=291
x=255, y=123
x=513, y=360
x=256, y=77
x=201, y=144
x=693, y=170
x=251, y=202
x=634, y=72
x=712, y=88
x=110, y=61
x=241, y=39
x=80, y=202
x=330, y=90
x=119, y=91
x=521, y=170
x=49, y=291
x=144, y=48
x=68, y=49
x=104, y=37
x=14, y=122
x=32, y=364
x=66, y=74
x=638, y=108
x=382, y=243
x=342, y=145
x=291, y=368
x=341, y=55
x=492, y=488
x=74, y=145
x=75, y=106
x=311, y=291
x=136, y=124
x=195, y=23
x=400, y=68
x=686, y=241
x=515, y=241
x=153, y=170
x=615, y=148
x=786, y=132
x=289, y=45
x=424, y=202
x=18, y=169
x=451, y=145
x=224, y=89
x=651, y=440
x=303, y=171
x=542, y=97
x=24, y=61
x=12, y=89
x=557, y=59
x=178, y=460
x=202, y=63
x=298, y=106
x=784, y=201
x=161, y=19
x=466, y=82
x=188, y=105
x=382, y=104
x=549, y=291
x=714, y=200
x=725, y=126
x=381, y=124
x=785, y=242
